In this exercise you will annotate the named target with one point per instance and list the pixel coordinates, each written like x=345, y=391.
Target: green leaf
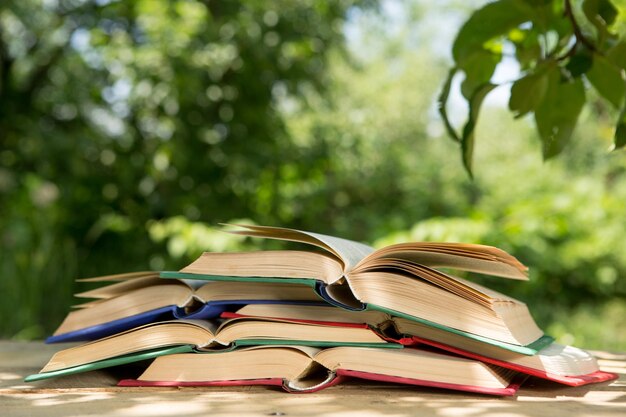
x=527, y=48
x=478, y=68
x=607, y=79
x=557, y=114
x=601, y=13
x=547, y=16
x=538, y=3
x=580, y=63
x=442, y=102
x=527, y=93
x=467, y=140
x=620, y=130
x=617, y=55
x=494, y=19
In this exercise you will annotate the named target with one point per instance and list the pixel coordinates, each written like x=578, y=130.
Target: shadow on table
x=98, y=395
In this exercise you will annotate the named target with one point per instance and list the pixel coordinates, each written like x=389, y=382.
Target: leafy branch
x=553, y=83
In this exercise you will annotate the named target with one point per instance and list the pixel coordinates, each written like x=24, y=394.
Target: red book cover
x=226, y=383
x=572, y=380
x=277, y=382
x=341, y=375
x=510, y=390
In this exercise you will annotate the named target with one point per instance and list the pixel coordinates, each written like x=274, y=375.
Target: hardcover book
x=305, y=369
x=203, y=335
x=140, y=298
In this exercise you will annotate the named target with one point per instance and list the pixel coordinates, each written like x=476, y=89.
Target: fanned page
x=121, y=277
x=322, y=266
x=122, y=287
x=355, y=256
x=456, y=285
x=460, y=256
x=348, y=251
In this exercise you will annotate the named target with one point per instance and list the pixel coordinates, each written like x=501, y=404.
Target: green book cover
x=106, y=363
x=530, y=349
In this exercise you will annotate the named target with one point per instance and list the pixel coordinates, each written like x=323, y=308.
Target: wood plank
x=95, y=394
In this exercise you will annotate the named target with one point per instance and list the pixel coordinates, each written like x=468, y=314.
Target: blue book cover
x=209, y=310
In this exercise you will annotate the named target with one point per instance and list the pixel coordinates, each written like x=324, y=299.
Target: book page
x=310, y=351
x=121, y=277
x=348, y=251
x=456, y=285
x=122, y=287
x=461, y=256
x=415, y=363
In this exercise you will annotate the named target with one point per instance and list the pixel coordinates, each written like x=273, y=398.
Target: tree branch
x=569, y=53
x=580, y=37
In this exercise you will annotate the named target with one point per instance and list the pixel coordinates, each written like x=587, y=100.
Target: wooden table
x=95, y=394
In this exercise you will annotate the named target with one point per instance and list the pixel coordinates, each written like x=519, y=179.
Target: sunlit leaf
x=478, y=68
x=527, y=48
x=601, y=13
x=492, y=20
x=527, y=93
x=607, y=80
x=617, y=55
x=467, y=140
x=620, y=130
x=442, y=103
x=558, y=113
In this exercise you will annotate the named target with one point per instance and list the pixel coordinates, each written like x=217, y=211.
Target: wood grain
x=95, y=394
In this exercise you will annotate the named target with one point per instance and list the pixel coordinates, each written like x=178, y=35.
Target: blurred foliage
x=113, y=113
x=561, y=46
x=158, y=120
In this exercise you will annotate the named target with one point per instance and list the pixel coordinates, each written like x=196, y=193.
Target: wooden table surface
x=95, y=394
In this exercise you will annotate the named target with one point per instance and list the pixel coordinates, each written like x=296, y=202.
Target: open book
x=564, y=364
x=139, y=298
x=204, y=335
x=403, y=280
x=310, y=369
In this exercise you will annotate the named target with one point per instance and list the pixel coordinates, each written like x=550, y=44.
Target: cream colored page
x=122, y=287
x=482, y=259
x=121, y=277
x=310, y=351
x=492, y=294
x=348, y=251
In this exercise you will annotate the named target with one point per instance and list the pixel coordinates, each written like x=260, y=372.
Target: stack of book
x=306, y=320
